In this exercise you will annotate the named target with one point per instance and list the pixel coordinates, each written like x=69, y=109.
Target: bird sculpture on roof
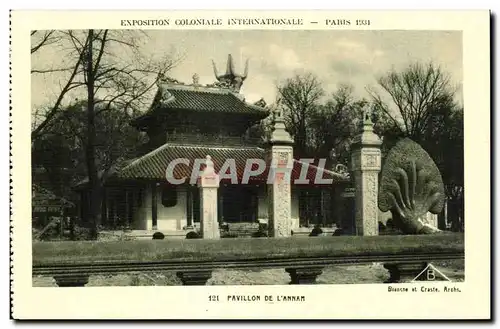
x=231, y=79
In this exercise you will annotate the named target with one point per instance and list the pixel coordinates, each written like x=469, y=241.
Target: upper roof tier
x=216, y=98
x=223, y=96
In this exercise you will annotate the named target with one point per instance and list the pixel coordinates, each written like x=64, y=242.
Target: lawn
x=64, y=252
x=93, y=253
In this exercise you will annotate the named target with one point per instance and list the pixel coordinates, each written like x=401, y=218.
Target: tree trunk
x=94, y=182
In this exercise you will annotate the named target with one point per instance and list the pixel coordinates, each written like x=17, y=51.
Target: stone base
x=305, y=275
x=194, y=278
x=72, y=281
x=404, y=272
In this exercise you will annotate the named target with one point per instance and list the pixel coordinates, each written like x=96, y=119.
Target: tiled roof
x=206, y=99
x=44, y=197
x=154, y=164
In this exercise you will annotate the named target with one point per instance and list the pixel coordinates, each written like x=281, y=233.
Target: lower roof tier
x=153, y=166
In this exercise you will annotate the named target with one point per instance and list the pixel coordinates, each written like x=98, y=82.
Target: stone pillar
x=209, y=184
x=366, y=165
x=280, y=160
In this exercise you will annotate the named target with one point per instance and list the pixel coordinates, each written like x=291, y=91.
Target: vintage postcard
x=250, y=164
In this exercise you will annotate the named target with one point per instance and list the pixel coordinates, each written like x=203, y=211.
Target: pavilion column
x=280, y=157
x=189, y=207
x=209, y=184
x=366, y=165
x=154, y=207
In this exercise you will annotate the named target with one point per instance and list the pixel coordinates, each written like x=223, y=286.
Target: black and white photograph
x=120, y=152
x=271, y=156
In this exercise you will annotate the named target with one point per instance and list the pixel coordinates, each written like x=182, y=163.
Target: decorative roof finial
x=196, y=79
x=231, y=78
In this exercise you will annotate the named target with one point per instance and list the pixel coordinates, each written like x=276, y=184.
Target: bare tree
x=299, y=97
x=124, y=77
x=415, y=94
x=421, y=105
x=110, y=70
x=41, y=39
x=335, y=124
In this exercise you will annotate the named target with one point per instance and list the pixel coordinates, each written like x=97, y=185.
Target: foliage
x=420, y=103
x=59, y=155
x=410, y=186
x=322, y=126
x=238, y=249
x=299, y=97
x=158, y=236
x=316, y=231
x=97, y=68
x=334, y=125
x=124, y=76
x=193, y=235
x=80, y=233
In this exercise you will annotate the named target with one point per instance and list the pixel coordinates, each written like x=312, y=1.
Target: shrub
x=159, y=236
x=81, y=233
x=410, y=186
x=193, y=235
x=316, y=231
x=338, y=232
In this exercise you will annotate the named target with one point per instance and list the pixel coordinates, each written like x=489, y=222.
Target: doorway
x=239, y=203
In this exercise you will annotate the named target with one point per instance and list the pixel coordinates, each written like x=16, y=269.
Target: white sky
x=336, y=57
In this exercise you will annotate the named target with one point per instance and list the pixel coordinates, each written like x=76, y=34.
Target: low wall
x=194, y=260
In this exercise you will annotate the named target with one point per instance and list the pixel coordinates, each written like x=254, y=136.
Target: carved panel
x=208, y=224
x=366, y=193
x=358, y=202
x=282, y=159
x=370, y=209
x=371, y=159
x=282, y=209
x=280, y=194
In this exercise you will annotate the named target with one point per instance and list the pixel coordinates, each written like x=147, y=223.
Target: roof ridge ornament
x=230, y=79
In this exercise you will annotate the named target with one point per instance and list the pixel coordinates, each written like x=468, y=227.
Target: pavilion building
x=191, y=122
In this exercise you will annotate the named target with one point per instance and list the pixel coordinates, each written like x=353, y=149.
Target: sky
x=335, y=57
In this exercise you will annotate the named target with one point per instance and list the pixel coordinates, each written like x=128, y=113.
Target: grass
x=69, y=252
